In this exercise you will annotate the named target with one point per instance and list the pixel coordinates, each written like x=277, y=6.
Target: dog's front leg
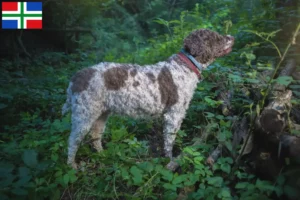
x=172, y=123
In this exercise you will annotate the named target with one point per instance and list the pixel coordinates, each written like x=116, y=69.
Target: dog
x=164, y=89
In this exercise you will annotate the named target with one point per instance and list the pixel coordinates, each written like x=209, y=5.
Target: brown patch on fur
x=82, y=79
x=133, y=72
x=167, y=88
x=135, y=84
x=151, y=76
x=114, y=78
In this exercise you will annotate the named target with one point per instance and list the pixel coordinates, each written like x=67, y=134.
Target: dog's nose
x=229, y=37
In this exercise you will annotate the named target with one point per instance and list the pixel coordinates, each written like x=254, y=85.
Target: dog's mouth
x=227, y=51
x=228, y=47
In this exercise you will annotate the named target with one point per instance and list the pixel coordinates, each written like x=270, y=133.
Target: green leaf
x=188, y=150
x=235, y=78
x=146, y=166
x=170, y=186
x=118, y=134
x=251, y=80
x=226, y=168
x=215, y=181
x=56, y=194
x=174, y=22
x=30, y=158
x=284, y=80
x=294, y=86
x=264, y=185
x=222, y=137
x=250, y=56
x=241, y=185
x=228, y=160
x=2, y=105
x=54, y=157
x=279, y=190
x=296, y=93
x=72, y=176
x=225, y=192
x=198, y=159
x=280, y=180
x=209, y=114
x=5, y=168
x=291, y=192
x=167, y=174
x=137, y=175
x=3, y=197
x=179, y=179
x=7, y=180
x=19, y=191
x=24, y=171
x=66, y=179
x=170, y=195
x=24, y=180
x=161, y=21
x=124, y=173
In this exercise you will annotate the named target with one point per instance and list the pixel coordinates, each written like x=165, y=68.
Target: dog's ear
x=197, y=44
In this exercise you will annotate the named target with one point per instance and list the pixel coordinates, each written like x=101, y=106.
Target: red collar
x=189, y=64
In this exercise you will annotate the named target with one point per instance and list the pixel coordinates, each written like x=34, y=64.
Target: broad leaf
x=30, y=158
x=284, y=80
x=137, y=175
x=215, y=181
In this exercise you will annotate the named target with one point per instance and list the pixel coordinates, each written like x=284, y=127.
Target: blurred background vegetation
x=37, y=65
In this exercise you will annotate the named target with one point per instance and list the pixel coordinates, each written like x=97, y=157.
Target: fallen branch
x=292, y=143
x=288, y=70
x=240, y=133
x=214, y=155
x=274, y=117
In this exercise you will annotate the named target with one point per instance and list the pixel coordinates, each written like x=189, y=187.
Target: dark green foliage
x=34, y=134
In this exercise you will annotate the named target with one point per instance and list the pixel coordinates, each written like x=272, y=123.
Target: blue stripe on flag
x=34, y=6
x=10, y=24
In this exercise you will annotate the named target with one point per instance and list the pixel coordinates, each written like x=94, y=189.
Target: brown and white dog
x=164, y=89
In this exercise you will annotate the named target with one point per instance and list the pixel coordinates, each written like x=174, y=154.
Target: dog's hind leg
x=81, y=125
x=97, y=131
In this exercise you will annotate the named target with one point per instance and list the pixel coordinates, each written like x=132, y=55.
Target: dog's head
x=205, y=45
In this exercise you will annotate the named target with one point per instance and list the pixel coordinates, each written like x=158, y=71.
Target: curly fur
x=161, y=90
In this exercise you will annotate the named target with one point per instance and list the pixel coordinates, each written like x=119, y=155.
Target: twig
x=214, y=155
x=147, y=183
x=115, y=191
x=69, y=193
x=279, y=63
x=63, y=193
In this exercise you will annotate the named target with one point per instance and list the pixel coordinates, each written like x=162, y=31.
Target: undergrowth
x=34, y=136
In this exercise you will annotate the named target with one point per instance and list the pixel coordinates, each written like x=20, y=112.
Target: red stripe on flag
x=34, y=24
x=9, y=6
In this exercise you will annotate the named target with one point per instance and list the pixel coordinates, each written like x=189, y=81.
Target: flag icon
x=21, y=15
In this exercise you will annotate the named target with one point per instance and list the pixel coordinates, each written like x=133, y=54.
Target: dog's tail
x=67, y=106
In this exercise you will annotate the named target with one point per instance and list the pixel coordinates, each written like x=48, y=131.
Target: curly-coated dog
x=164, y=89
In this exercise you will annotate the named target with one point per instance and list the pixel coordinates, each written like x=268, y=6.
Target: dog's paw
x=172, y=165
x=73, y=165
